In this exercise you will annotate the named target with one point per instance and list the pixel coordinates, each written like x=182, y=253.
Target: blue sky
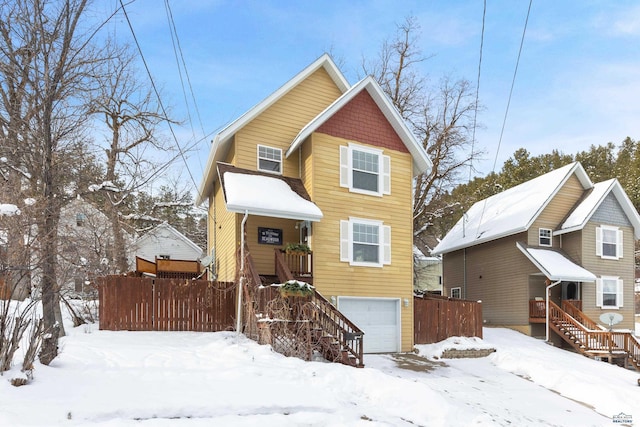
x=578, y=80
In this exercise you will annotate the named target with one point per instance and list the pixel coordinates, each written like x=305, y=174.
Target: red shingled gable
x=361, y=120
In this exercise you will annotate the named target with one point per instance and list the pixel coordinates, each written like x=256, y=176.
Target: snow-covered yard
x=104, y=378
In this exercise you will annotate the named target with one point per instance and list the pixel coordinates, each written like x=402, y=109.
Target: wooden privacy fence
x=152, y=304
x=437, y=318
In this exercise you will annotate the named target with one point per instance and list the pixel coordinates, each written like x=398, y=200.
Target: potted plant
x=297, y=248
x=295, y=288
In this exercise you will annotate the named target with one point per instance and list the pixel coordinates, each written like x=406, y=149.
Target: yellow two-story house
x=330, y=165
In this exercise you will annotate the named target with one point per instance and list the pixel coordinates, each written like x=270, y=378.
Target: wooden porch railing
x=586, y=340
x=298, y=264
x=336, y=329
x=573, y=310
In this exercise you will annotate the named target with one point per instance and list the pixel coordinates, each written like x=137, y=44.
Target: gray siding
x=610, y=212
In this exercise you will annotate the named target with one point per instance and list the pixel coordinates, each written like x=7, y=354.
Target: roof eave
x=251, y=210
x=435, y=250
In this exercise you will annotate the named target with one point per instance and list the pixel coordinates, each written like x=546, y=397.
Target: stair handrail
x=580, y=316
x=329, y=318
x=632, y=347
x=587, y=339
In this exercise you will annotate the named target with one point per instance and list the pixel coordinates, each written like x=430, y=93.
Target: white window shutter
x=344, y=241
x=386, y=175
x=344, y=167
x=619, y=245
x=598, y=241
x=619, y=296
x=598, y=292
x=386, y=244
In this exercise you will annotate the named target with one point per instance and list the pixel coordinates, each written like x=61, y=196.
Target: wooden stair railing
x=335, y=328
x=573, y=311
x=586, y=340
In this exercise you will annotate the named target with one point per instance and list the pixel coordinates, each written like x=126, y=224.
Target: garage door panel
x=378, y=318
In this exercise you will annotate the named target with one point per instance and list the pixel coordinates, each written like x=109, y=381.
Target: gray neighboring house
x=165, y=242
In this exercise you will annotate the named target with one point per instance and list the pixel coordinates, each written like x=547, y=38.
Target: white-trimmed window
x=608, y=242
x=269, y=159
x=365, y=170
x=365, y=242
x=609, y=292
x=456, y=293
x=544, y=237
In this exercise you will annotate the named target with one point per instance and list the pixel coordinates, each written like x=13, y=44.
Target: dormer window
x=269, y=159
x=544, y=237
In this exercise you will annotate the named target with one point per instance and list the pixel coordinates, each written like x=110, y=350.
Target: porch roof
x=266, y=195
x=555, y=265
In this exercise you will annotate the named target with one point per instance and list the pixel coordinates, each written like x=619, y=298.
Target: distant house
x=330, y=165
x=165, y=242
x=558, y=232
x=85, y=237
x=427, y=272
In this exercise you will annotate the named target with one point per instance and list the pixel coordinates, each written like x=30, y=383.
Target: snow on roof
x=266, y=196
x=585, y=209
x=555, y=265
x=509, y=212
x=7, y=209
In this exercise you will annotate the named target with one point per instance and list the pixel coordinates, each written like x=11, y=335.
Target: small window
x=365, y=170
x=609, y=292
x=365, y=242
x=609, y=242
x=456, y=292
x=81, y=218
x=269, y=159
x=545, y=238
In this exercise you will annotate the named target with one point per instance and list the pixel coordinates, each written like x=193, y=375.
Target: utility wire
x=178, y=53
x=475, y=113
x=506, y=113
x=155, y=89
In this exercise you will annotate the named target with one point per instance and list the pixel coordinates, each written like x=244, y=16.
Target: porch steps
x=594, y=343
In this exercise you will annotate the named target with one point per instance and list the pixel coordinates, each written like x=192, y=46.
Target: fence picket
x=438, y=318
x=152, y=304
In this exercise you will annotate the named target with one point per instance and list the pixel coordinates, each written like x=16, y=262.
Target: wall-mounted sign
x=270, y=236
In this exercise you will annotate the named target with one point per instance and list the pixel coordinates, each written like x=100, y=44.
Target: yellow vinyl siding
x=263, y=255
x=556, y=211
x=335, y=278
x=277, y=126
x=226, y=237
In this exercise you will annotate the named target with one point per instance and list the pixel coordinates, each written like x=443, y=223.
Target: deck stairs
x=590, y=339
x=304, y=327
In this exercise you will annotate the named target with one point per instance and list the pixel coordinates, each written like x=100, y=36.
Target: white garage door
x=379, y=318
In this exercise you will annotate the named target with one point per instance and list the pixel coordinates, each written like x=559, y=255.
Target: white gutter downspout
x=547, y=308
x=241, y=281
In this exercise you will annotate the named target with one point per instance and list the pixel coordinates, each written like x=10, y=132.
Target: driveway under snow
x=104, y=378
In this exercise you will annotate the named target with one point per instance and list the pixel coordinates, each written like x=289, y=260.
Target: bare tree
x=442, y=118
x=47, y=65
x=132, y=116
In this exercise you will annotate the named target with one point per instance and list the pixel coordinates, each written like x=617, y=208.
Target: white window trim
x=346, y=242
x=258, y=158
x=346, y=169
x=459, y=289
x=619, y=292
x=540, y=237
x=599, y=242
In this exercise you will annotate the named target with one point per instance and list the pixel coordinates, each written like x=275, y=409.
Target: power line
x=155, y=89
x=475, y=114
x=178, y=53
x=504, y=121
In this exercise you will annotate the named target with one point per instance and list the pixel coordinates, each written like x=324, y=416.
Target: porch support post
x=547, y=307
x=241, y=280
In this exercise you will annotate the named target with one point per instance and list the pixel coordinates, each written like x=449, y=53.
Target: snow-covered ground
x=104, y=378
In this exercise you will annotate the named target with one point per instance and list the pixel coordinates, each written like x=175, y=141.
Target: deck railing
x=298, y=264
